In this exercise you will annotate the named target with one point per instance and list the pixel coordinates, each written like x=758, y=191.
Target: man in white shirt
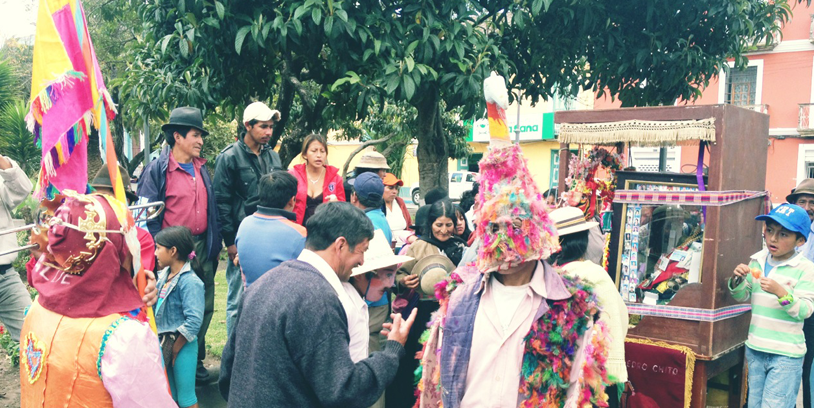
x=14, y=298
x=367, y=286
x=516, y=333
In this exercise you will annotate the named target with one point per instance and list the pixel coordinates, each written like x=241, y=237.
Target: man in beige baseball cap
x=238, y=170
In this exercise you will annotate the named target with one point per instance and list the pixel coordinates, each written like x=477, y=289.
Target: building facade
x=779, y=82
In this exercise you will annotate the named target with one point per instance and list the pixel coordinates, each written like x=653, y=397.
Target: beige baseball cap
x=259, y=111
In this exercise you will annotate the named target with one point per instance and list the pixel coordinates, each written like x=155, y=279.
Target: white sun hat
x=379, y=255
x=569, y=220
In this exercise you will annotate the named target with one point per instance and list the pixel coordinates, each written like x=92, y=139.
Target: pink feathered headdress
x=511, y=212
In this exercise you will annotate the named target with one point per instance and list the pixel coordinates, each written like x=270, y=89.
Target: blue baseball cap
x=370, y=187
x=791, y=217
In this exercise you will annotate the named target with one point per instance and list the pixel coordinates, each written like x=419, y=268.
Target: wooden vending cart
x=697, y=312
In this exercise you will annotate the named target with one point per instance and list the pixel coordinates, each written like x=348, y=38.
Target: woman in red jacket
x=317, y=182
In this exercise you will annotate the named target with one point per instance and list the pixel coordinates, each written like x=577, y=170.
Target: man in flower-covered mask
x=493, y=343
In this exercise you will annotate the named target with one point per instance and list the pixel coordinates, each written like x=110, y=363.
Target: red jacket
x=331, y=186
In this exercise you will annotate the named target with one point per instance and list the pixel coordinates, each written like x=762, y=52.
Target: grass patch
x=216, y=335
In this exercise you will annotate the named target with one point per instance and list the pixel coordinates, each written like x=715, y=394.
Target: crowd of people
x=331, y=282
x=337, y=297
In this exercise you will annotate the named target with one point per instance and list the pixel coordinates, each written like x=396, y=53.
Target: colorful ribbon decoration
x=688, y=313
x=699, y=198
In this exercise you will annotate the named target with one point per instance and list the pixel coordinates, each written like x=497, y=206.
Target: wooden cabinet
x=736, y=161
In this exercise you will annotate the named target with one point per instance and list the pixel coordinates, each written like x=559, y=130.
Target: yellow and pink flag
x=68, y=97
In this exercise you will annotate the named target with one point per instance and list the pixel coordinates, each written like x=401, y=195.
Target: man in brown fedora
x=803, y=196
x=180, y=179
x=102, y=184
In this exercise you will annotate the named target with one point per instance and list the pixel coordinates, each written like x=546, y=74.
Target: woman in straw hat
x=573, y=231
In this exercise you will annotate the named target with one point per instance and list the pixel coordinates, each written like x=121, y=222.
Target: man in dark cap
x=180, y=179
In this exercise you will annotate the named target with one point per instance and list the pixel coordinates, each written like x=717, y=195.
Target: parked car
x=459, y=182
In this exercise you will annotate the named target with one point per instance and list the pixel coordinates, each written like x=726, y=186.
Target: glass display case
x=660, y=246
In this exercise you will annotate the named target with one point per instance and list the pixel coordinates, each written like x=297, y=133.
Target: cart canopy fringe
x=639, y=132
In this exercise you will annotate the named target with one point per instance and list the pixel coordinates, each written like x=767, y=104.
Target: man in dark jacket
x=237, y=171
x=290, y=343
x=180, y=179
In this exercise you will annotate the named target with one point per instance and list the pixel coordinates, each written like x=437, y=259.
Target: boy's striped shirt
x=774, y=328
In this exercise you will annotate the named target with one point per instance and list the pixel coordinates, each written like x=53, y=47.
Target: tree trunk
x=433, y=152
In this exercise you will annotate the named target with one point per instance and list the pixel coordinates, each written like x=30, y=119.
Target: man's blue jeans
x=234, y=280
x=774, y=380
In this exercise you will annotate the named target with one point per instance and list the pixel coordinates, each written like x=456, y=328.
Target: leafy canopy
x=332, y=62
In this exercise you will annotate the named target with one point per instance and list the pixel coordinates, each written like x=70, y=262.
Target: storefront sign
x=532, y=127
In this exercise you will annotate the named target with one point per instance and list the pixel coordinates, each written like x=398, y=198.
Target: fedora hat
x=373, y=160
x=186, y=116
x=431, y=270
x=570, y=220
x=805, y=187
x=102, y=180
x=379, y=255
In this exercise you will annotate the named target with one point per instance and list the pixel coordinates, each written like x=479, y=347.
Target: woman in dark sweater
x=439, y=239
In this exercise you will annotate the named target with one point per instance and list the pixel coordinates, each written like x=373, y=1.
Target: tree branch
x=363, y=147
x=397, y=145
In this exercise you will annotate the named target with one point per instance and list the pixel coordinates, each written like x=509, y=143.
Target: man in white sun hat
x=367, y=286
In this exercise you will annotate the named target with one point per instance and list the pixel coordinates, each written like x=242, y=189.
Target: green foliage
x=18, y=59
x=26, y=211
x=6, y=83
x=15, y=139
x=222, y=133
x=643, y=52
x=11, y=347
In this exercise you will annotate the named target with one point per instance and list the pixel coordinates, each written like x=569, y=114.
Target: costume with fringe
x=86, y=341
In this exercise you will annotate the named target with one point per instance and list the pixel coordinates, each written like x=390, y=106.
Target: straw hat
x=373, y=160
x=379, y=255
x=431, y=270
x=570, y=220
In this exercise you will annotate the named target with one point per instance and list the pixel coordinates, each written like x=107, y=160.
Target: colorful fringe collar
x=549, y=353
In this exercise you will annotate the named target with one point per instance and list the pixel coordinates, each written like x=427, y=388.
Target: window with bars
x=741, y=86
x=809, y=169
x=647, y=159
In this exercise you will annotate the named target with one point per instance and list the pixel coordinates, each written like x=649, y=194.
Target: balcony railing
x=762, y=108
x=804, y=125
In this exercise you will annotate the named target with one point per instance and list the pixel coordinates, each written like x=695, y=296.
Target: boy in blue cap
x=780, y=282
